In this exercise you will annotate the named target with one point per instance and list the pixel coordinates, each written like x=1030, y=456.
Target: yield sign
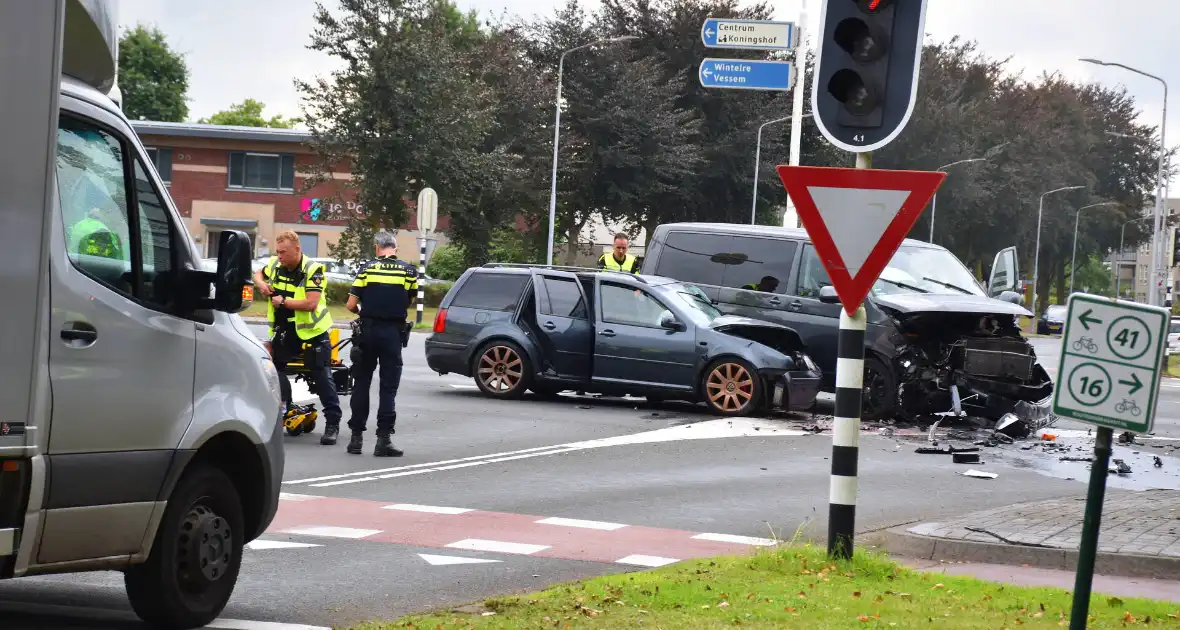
x=857, y=218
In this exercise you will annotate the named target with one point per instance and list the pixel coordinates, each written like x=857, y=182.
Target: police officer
x=298, y=315
x=767, y=284
x=618, y=259
x=381, y=294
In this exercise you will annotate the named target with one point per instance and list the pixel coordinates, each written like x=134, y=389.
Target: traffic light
x=866, y=77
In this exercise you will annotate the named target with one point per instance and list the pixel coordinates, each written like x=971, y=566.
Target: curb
x=897, y=541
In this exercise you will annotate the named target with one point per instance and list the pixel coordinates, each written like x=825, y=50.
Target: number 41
x=1127, y=334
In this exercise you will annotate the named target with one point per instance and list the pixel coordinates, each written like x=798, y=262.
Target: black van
x=936, y=340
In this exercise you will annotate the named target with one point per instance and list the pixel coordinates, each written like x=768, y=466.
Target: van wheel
x=879, y=400
x=732, y=387
x=502, y=370
x=189, y=576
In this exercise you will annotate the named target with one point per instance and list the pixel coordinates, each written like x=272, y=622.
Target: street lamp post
x=1157, y=222
x=758, y=163
x=1118, y=278
x=557, y=134
x=1073, y=259
x=1037, y=251
x=992, y=152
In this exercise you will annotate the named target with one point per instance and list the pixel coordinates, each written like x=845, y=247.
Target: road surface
x=500, y=496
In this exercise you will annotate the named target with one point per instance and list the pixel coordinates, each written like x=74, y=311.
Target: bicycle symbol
x=1127, y=405
x=1087, y=343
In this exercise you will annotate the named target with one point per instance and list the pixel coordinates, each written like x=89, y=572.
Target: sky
x=238, y=49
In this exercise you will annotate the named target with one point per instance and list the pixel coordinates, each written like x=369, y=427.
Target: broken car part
x=965, y=458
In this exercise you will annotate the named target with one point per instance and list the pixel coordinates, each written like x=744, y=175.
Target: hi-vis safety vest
x=307, y=324
x=609, y=263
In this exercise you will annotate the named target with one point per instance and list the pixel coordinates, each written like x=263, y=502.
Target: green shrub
x=432, y=294
x=337, y=293
x=446, y=263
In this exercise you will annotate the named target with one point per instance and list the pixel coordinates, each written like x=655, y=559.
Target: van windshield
x=917, y=269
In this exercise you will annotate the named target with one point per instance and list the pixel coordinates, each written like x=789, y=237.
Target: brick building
x=251, y=179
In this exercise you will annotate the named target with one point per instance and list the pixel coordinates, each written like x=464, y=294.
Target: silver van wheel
x=193, y=567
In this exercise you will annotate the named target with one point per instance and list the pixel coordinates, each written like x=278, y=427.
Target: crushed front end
x=969, y=364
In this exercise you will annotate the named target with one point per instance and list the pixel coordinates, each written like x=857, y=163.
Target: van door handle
x=775, y=301
x=550, y=325
x=79, y=334
x=607, y=333
x=796, y=305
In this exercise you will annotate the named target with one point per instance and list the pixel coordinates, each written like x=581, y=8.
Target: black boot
x=355, y=444
x=384, y=447
x=330, y=433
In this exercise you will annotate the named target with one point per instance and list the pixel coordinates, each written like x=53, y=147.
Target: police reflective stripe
x=320, y=314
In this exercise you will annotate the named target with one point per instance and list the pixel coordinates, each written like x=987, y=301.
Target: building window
x=162, y=160
x=309, y=242
x=262, y=171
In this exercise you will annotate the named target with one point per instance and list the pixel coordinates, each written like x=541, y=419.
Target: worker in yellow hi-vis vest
x=298, y=314
x=618, y=259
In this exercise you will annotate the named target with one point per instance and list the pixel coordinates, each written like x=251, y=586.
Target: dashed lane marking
x=497, y=546
x=332, y=532
x=741, y=540
x=260, y=545
x=574, y=522
x=431, y=509
x=451, y=560
x=646, y=561
x=371, y=522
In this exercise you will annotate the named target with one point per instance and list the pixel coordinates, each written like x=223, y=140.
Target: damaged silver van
x=936, y=340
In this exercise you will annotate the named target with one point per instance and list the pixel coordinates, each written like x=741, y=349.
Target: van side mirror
x=827, y=295
x=233, y=287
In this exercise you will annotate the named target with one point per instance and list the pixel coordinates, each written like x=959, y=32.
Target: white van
x=140, y=426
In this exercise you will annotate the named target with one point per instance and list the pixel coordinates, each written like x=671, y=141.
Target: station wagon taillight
x=440, y=321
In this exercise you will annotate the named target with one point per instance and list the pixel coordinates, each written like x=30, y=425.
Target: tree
x=152, y=77
x=248, y=113
x=407, y=110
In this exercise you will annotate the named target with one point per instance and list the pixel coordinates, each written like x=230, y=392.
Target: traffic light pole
x=850, y=370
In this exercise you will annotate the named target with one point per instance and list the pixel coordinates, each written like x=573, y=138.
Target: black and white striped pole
x=850, y=369
x=421, y=266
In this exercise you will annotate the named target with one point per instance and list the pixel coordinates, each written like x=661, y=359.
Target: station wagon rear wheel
x=502, y=370
x=732, y=387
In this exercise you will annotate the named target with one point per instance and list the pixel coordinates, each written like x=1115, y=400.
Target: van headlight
x=272, y=377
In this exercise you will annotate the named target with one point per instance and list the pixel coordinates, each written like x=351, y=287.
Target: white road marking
x=646, y=561
x=706, y=430
x=497, y=546
x=291, y=496
x=574, y=522
x=433, y=509
x=464, y=386
x=259, y=545
x=741, y=540
x=449, y=560
x=332, y=532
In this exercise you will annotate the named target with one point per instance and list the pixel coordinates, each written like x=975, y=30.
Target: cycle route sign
x=1111, y=357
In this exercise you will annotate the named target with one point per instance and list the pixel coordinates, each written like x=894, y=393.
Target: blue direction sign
x=747, y=74
x=749, y=34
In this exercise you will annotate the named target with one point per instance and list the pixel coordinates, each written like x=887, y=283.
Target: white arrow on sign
x=448, y=560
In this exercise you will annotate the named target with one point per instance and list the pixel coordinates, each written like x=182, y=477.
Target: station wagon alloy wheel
x=731, y=388
x=502, y=370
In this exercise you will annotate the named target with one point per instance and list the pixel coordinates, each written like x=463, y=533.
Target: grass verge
x=791, y=587
x=341, y=314
x=1174, y=365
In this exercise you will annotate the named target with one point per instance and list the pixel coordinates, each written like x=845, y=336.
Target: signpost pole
x=1095, y=496
x=850, y=370
x=421, y=268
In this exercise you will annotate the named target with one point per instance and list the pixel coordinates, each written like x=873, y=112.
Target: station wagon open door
x=1005, y=274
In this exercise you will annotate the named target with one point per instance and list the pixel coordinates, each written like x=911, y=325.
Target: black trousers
x=287, y=346
x=381, y=343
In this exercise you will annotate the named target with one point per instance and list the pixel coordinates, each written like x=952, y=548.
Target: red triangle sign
x=857, y=218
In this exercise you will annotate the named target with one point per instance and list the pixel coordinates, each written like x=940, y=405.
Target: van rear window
x=491, y=291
